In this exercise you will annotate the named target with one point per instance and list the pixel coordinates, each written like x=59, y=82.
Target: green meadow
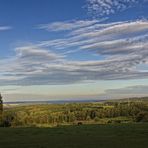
x=84, y=136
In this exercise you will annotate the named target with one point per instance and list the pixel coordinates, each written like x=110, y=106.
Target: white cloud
x=4, y=28
x=106, y=7
x=62, y=26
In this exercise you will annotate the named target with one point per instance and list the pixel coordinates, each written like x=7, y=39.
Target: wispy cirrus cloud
x=4, y=28
x=122, y=44
x=112, y=38
x=68, y=25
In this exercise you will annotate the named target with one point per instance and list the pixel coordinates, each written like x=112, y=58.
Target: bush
x=7, y=119
x=142, y=116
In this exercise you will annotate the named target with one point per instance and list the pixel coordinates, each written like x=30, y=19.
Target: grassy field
x=85, y=136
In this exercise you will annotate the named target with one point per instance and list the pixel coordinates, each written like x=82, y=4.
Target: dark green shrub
x=142, y=117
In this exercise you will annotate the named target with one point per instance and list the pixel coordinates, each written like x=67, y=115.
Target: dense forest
x=76, y=113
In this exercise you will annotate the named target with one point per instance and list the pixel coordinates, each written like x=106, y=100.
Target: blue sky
x=70, y=49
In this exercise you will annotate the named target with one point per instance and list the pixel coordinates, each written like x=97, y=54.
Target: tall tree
x=1, y=104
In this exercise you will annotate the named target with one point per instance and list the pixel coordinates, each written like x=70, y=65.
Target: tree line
x=108, y=112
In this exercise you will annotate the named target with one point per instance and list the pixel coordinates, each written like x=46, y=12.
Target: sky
x=73, y=49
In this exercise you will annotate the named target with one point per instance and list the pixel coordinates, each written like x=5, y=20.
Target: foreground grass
x=86, y=136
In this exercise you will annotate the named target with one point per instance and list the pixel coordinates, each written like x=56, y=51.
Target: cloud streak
x=139, y=89
x=123, y=46
x=67, y=25
x=5, y=28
